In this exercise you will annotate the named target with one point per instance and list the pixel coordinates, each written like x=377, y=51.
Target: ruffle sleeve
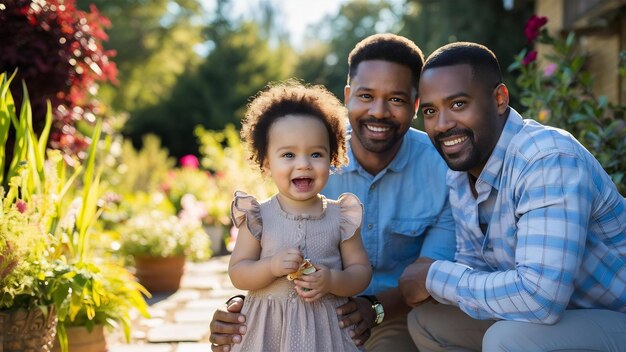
x=246, y=208
x=351, y=214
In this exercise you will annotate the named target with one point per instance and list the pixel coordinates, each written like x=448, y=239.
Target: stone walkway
x=180, y=321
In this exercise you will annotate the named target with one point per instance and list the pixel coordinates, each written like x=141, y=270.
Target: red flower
x=530, y=57
x=533, y=26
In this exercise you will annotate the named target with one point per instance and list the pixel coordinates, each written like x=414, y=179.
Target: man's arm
x=551, y=220
x=227, y=327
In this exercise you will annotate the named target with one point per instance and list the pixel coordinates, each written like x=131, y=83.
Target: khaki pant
x=439, y=327
x=391, y=336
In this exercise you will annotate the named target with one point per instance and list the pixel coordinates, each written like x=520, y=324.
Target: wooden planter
x=81, y=340
x=31, y=330
x=158, y=274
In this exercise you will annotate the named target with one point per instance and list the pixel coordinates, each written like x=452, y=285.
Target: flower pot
x=216, y=235
x=81, y=340
x=159, y=274
x=31, y=330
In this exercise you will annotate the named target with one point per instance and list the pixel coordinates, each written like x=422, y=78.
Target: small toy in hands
x=305, y=268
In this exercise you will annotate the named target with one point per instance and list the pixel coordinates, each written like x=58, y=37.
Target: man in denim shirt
x=400, y=179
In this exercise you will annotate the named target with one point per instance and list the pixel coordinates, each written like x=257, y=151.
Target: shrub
x=556, y=89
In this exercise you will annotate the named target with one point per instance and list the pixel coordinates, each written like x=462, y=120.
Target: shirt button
x=372, y=187
x=370, y=226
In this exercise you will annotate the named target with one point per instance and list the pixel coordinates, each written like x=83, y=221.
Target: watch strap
x=377, y=307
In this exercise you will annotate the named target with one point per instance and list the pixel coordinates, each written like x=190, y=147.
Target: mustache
x=375, y=121
x=454, y=132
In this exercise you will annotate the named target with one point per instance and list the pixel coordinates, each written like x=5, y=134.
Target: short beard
x=465, y=164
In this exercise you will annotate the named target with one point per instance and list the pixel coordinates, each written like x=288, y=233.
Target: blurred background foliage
x=184, y=63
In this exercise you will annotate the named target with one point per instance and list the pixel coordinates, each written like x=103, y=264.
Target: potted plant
x=34, y=268
x=45, y=274
x=159, y=243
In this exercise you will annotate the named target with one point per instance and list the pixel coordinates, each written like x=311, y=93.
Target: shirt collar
x=493, y=168
x=397, y=164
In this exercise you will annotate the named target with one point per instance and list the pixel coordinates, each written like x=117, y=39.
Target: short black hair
x=484, y=63
x=387, y=47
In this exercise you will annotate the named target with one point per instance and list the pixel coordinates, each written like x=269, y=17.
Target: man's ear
x=502, y=98
x=346, y=94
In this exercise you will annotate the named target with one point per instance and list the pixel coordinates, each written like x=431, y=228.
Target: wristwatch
x=377, y=307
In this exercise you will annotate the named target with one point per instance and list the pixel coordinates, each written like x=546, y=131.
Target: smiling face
x=298, y=159
x=381, y=105
x=463, y=117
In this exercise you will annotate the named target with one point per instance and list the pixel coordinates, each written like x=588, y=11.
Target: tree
x=433, y=23
x=57, y=51
x=216, y=92
x=325, y=59
x=155, y=43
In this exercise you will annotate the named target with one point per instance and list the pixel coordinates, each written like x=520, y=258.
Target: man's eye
x=365, y=96
x=397, y=100
x=428, y=111
x=458, y=104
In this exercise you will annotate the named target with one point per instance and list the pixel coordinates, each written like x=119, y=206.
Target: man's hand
x=357, y=312
x=412, y=282
x=227, y=327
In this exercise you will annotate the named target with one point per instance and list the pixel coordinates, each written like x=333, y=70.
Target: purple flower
x=530, y=57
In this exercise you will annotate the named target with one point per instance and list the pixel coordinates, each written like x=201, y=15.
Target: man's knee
x=503, y=336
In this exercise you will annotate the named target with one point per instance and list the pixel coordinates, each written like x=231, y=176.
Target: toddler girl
x=295, y=133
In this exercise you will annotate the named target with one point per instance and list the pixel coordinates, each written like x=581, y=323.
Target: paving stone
x=193, y=316
x=184, y=295
x=193, y=347
x=148, y=347
x=210, y=303
x=180, y=321
x=199, y=283
x=186, y=332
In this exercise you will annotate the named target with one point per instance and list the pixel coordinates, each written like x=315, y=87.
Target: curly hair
x=387, y=47
x=290, y=97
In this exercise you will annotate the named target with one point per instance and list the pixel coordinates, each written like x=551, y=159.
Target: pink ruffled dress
x=277, y=318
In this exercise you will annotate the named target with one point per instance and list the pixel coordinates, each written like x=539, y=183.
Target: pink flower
x=189, y=161
x=549, y=70
x=21, y=206
x=534, y=24
x=530, y=57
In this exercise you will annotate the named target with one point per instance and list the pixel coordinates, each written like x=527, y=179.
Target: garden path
x=180, y=321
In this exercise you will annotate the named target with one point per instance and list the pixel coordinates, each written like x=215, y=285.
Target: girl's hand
x=317, y=284
x=285, y=262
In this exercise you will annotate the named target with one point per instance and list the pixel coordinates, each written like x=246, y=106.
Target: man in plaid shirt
x=541, y=228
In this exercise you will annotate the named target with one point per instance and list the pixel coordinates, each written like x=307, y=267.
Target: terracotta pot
x=31, y=330
x=158, y=274
x=81, y=340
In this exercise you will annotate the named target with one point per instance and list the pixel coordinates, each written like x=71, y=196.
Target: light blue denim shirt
x=406, y=208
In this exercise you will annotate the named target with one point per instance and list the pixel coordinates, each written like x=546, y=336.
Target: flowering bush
x=158, y=234
x=223, y=151
x=557, y=90
x=44, y=242
x=58, y=52
x=196, y=193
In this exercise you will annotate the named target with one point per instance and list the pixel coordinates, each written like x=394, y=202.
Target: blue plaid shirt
x=406, y=209
x=554, y=231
